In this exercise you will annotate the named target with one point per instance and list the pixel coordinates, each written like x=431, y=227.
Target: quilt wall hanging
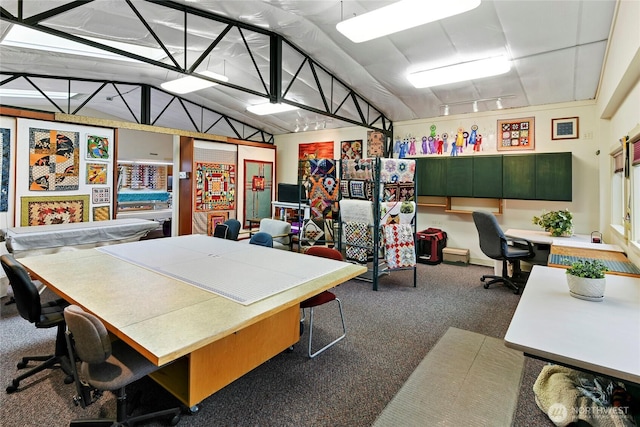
x=375, y=144
x=53, y=160
x=96, y=173
x=516, y=134
x=214, y=219
x=43, y=210
x=5, y=136
x=351, y=149
x=310, y=151
x=258, y=187
x=101, y=213
x=97, y=147
x=215, y=186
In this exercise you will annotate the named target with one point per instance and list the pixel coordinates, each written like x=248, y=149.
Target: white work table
x=601, y=337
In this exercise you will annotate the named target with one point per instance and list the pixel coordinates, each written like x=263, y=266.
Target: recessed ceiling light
x=192, y=83
x=269, y=108
x=401, y=16
x=460, y=72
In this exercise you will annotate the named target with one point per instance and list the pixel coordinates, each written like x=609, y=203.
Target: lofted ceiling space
x=290, y=52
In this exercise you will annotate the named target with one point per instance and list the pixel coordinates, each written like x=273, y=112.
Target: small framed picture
x=565, y=128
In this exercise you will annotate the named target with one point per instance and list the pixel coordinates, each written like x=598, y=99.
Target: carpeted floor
x=389, y=333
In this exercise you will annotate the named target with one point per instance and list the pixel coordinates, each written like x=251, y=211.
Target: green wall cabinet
x=543, y=176
x=459, y=176
x=553, y=176
x=487, y=177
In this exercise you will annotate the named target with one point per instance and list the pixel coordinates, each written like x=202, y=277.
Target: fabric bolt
x=397, y=170
x=399, y=246
x=356, y=211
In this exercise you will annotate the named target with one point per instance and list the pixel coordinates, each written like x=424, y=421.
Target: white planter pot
x=587, y=289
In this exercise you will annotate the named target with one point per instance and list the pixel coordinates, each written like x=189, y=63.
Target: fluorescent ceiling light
x=269, y=108
x=401, y=16
x=192, y=83
x=460, y=72
x=34, y=94
x=23, y=37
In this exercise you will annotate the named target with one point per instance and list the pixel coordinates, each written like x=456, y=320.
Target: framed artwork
x=101, y=213
x=96, y=173
x=516, y=134
x=53, y=160
x=258, y=185
x=47, y=210
x=215, y=186
x=5, y=135
x=97, y=147
x=214, y=219
x=100, y=195
x=565, y=128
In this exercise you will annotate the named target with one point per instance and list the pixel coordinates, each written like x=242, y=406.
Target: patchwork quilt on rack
x=399, y=247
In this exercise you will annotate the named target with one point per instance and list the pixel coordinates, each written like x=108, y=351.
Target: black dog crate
x=430, y=243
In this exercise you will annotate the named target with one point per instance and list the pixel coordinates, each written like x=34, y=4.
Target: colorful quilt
x=323, y=167
x=375, y=144
x=397, y=170
x=351, y=149
x=215, y=186
x=101, y=213
x=397, y=212
x=312, y=232
x=97, y=147
x=358, y=169
x=324, y=187
x=358, y=241
x=399, y=245
x=53, y=160
x=54, y=210
x=397, y=192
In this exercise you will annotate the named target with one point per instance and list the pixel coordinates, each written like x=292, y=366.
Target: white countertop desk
x=601, y=337
x=574, y=241
x=205, y=340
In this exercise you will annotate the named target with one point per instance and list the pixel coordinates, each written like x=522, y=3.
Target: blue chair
x=233, y=228
x=263, y=239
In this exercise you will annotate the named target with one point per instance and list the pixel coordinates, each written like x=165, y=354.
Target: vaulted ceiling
x=556, y=47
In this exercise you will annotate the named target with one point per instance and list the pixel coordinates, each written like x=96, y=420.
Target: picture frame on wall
x=516, y=134
x=565, y=128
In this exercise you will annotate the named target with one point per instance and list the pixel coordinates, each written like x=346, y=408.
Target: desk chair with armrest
x=322, y=298
x=106, y=366
x=496, y=245
x=280, y=232
x=48, y=315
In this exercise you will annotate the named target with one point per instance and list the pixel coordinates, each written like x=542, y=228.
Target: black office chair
x=320, y=299
x=106, y=366
x=47, y=315
x=233, y=228
x=261, y=238
x=496, y=245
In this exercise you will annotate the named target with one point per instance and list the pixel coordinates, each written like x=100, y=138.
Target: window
x=617, y=190
x=635, y=191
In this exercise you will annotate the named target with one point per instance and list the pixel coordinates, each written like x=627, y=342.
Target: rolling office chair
x=105, y=366
x=233, y=228
x=496, y=245
x=320, y=299
x=261, y=238
x=46, y=315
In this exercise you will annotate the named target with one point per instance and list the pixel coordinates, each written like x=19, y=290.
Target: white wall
x=142, y=145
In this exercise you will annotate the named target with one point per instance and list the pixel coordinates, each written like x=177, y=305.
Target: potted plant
x=558, y=223
x=586, y=279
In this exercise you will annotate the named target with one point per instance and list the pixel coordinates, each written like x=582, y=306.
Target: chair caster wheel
x=517, y=292
x=175, y=420
x=68, y=379
x=21, y=365
x=486, y=286
x=12, y=388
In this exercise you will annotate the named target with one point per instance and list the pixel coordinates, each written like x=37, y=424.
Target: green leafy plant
x=589, y=269
x=558, y=223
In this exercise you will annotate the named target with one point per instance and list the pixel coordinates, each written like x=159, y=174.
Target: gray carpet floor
x=389, y=332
